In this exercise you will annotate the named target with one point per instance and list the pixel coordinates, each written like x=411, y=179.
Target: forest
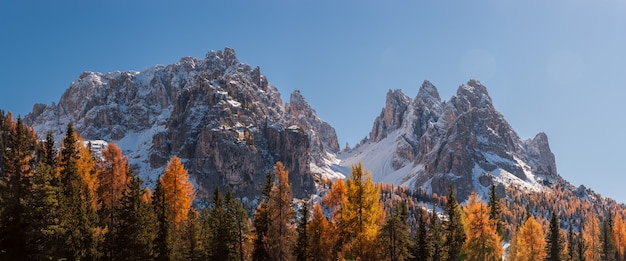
x=61, y=202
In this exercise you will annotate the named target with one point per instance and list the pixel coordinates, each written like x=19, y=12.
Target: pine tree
x=300, y=250
x=77, y=219
x=571, y=242
x=581, y=247
x=435, y=237
x=454, y=228
x=394, y=236
x=17, y=175
x=606, y=239
x=280, y=231
x=530, y=241
x=483, y=241
x=132, y=237
x=361, y=214
x=261, y=221
x=553, y=240
x=241, y=228
x=421, y=248
x=495, y=210
x=221, y=246
x=162, y=245
x=192, y=244
x=320, y=236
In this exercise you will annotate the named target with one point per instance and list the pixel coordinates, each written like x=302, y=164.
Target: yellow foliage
x=86, y=167
x=591, y=235
x=530, y=242
x=361, y=214
x=179, y=191
x=483, y=242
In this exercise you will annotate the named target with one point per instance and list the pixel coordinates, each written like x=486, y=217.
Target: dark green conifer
x=553, y=240
x=300, y=249
x=454, y=228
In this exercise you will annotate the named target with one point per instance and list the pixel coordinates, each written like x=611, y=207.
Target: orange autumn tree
x=113, y=180
x=483, y=241
x=530, y=241
x=178, y=189
x=86, y=166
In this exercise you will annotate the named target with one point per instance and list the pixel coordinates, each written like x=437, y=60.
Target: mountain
x=222, y=117
x=429, y=144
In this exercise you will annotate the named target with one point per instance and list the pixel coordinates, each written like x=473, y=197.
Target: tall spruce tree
x=302, y=242
x=495, y=210
x=132, y=237
x=454, y=228
x=77, y=219
x=239, y=220
x=394, y=236
x=421, y=248
x=553, y=240
x=435, y=237
x=606, y=238
x=162, y=242
x=223, y=238
x=16, y=185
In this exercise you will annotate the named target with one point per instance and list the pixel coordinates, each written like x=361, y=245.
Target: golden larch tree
x=320, y=235
x=86, y=166
x=112, y=177
x=281, y=230
x=531, y=242
x=178, y=189
x=591, y=236
x=483, y=242
x=361, y=215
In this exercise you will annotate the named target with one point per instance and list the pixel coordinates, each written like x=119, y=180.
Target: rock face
x=429, y=144
x=220, y=116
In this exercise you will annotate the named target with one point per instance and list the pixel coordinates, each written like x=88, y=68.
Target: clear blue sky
x=552, y=66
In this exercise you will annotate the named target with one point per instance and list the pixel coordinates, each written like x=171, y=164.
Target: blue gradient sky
x=552, y=66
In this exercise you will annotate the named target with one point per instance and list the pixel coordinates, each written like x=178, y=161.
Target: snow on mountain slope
x=428, y=144
x=222, y=117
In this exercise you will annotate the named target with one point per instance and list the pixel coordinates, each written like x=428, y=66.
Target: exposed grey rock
x=221, y=117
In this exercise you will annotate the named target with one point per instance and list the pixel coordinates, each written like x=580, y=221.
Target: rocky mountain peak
x=428, y=94
x=392, y=115
x=220, y=116
x=472, y=95
x=465, y=142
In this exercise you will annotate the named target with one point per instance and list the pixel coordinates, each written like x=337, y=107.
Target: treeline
x=59, y=202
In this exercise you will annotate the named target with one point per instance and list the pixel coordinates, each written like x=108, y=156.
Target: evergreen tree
x=132, y=237
x=17, y=175
x=606, y=239
x=222, y=244
x=553, y=240
x=77, y=216
x=261, y=221
x=495, y=210
x=421, y=248
x=435, y=237
x=162, y=245
x=394, y=236
x=302, y=242
x=581, y=247
x=571, y=242
x=240, y=227
x=454, y=228
x=192, y=245
x=280, y=231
